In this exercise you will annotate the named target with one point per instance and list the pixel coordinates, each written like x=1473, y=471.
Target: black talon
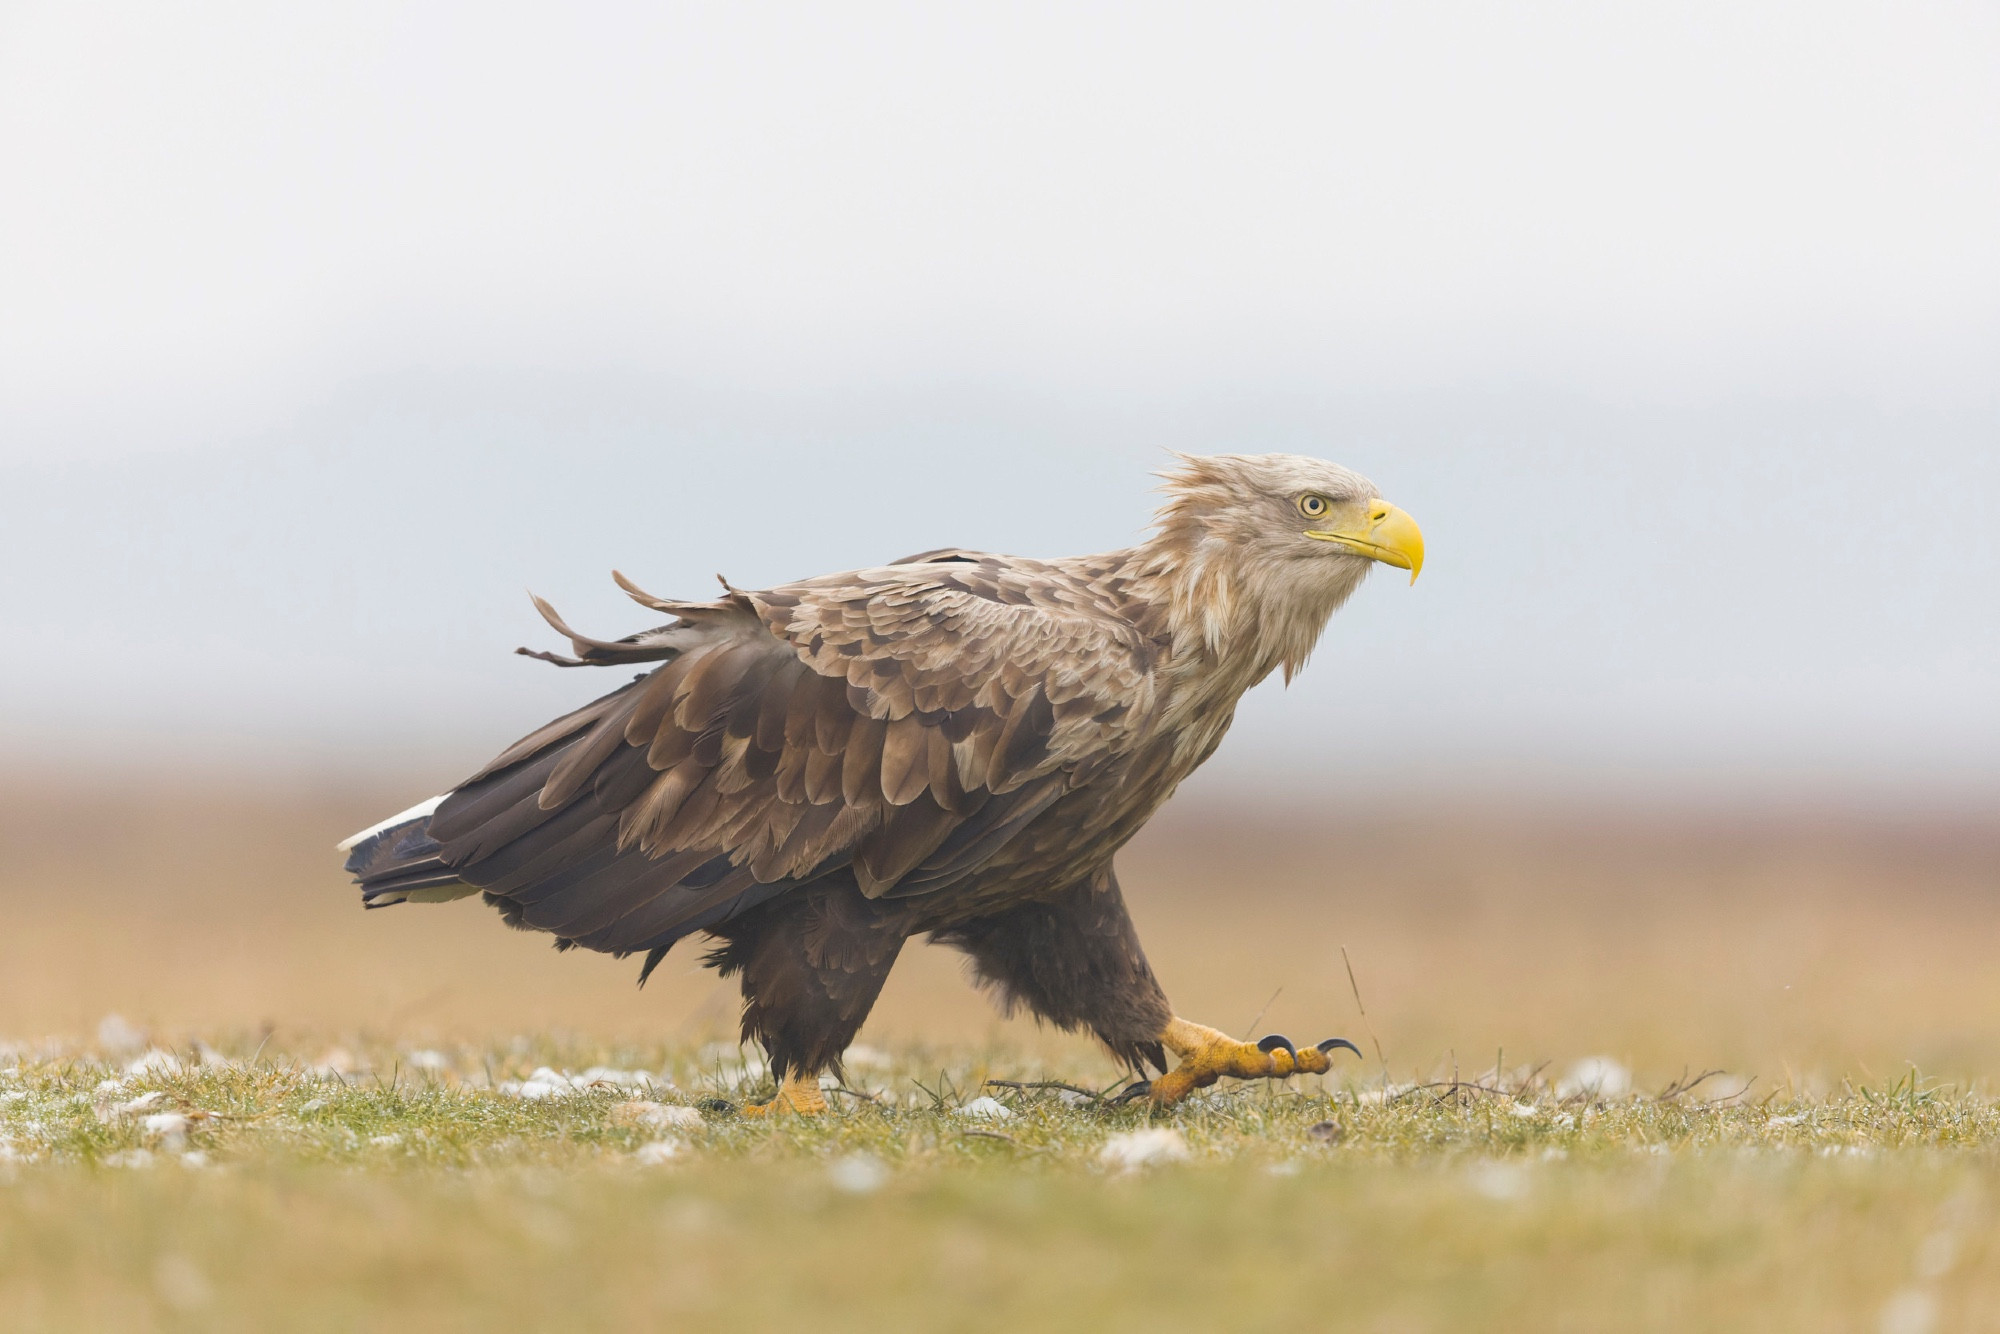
x=1274, y=1041
x=1331, y=1043
x=1137, y=1090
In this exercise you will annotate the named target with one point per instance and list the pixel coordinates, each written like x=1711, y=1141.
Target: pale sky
x=327, y=329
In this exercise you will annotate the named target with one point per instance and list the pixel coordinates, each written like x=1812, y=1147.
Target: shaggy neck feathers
x=1231, y=610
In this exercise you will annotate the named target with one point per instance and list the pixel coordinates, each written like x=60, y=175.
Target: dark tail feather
x=399, y=862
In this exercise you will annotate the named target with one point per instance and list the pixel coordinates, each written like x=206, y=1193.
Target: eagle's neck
x=1228, y=622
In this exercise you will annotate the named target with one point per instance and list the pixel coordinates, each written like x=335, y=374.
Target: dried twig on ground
x=1684, y=1085
x=1057, y=1084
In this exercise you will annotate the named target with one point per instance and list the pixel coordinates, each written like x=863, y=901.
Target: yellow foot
x=799, y=1093
x=1207, y=1056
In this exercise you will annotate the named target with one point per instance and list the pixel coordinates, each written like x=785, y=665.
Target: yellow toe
x=1206, y=1055
x=799, y=1093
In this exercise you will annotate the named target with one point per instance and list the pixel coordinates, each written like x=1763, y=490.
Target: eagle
x=954, y=745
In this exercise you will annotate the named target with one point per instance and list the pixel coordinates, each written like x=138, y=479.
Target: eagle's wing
x=905, y=722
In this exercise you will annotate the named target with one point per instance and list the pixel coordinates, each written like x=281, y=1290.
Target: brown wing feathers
x=905, y=723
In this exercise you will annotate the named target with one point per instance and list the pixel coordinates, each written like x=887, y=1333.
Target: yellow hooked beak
x=1382, y=533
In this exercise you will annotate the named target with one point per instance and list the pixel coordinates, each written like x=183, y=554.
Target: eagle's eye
x=1312, y=506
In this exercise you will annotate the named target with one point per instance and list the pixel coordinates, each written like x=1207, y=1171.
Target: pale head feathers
x=1243, y=583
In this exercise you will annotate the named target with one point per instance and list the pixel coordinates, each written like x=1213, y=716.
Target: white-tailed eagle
x=954, y=745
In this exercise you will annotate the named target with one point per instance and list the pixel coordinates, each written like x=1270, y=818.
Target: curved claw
x=1278, y=1042
x=1328, y=1045
x=1137, y=1090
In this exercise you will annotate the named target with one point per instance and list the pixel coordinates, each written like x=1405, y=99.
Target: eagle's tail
x=397, y=861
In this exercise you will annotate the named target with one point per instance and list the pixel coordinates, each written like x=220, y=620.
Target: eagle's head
x=1284, y=507
x=1264, y=547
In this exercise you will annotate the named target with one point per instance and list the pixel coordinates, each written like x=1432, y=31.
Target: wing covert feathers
x=905, y=722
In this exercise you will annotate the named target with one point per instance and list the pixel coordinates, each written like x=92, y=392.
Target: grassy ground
x=1815, y=1185
x=460, y=1190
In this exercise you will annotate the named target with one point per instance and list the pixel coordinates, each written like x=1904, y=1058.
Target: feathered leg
x=812, y=964
x=1075, y=962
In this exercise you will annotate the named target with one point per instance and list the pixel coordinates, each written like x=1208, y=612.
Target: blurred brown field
x=1801, y=948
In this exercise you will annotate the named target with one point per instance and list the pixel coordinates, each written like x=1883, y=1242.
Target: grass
x=410, y=1190
x=416, y=1191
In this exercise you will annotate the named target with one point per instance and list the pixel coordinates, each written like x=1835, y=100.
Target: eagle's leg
x=1073, y=960
x=1207, y=1055
x=812, y=964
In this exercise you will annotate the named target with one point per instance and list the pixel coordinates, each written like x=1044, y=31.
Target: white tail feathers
x=416, y=812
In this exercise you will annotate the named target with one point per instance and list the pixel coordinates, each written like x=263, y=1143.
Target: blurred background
x=327, y=330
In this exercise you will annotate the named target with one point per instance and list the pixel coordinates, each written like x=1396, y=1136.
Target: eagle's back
x=955, y=724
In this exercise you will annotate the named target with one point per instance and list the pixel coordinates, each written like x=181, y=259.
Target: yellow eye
x=1312, y=506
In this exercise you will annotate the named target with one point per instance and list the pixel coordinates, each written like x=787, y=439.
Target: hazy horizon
x=324, y=333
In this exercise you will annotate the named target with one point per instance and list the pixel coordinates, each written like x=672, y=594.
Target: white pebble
x=1936, y=1256
x=858, y=1173
x=155, y=1061
x=1598, y=1075
x=337, y=1061
x=543, y=1083
x=1911, y=1311
x=114, y=1034
x=661, y=1116
x=1499, y=1181
x=1135, y=1149
x=181, y=1285
x=138, y=1104
x=987, y=1109
x=601, y=1076
x=863, y=1057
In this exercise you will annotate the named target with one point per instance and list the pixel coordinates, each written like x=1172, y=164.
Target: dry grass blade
x=1355, y=987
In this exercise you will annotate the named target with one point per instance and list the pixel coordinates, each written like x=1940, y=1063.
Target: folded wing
x=900, y=724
